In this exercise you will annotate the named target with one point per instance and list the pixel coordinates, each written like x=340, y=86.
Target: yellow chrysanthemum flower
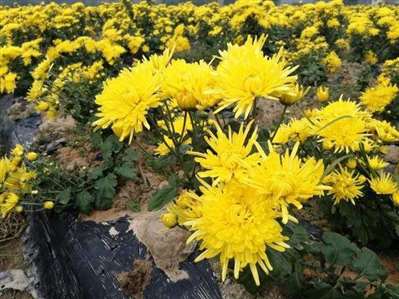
x=296, y=94
x=385, y=131
x=126, y=99
x=332, y=62
x=378, y=97
x=383, y=184
x=7, y=202
x=341, y=125
x=32, y=156
x=4, y=168
x=185, y=207
x=371, y=57
x=236, y=224
x=286, y=179
x=395, y=198
x=322, y=94
x=345, y=185
x=18, y=150
x=376, y=163
x=190, y=85
x=228, y=153
x=295, y=130
x=245, y=74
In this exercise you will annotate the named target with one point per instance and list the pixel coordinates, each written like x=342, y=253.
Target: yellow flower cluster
x=236, y=216
x=15, y=179
x=40, y=36
x=343, y=127
x=243, y=76
x=376, y=98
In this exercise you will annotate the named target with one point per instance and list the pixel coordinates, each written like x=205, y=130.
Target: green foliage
x=95, y=187
x=330, y=267
x=372, y=221
x=164, y=195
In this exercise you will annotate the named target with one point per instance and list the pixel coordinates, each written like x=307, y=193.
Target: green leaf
x=299, y=235
x=162, y=196
x=338, y=249
x=281, y=266
x=96, y=139
x=127, y=171
x=160, y=163
x=109, y=146
x=368, y=264
x=106, y=186
x=130, y=155
x=64, y=196
x=95, y=173
x=84, y=202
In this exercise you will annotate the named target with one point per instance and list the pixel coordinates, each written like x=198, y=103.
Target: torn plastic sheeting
x=81, y=260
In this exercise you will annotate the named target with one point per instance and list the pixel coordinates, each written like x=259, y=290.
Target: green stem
x=170, y=126
x=195, y=131
x=184, y=127
x=218, y=120
x=141, y=147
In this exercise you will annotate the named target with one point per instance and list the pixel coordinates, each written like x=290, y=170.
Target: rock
x=392, y=154
x=167, y=245
x=16, y=280
x=53, y=146
x=21, y=110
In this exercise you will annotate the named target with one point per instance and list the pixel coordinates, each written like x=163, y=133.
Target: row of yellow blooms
x=46, y=39
x=246, y=189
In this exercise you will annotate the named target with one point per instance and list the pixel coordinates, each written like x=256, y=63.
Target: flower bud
x=169, y=220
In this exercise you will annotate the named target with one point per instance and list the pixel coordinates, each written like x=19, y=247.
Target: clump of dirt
x=11, y=255
x=51, y=130
x=134, y=282
x=391, y=263
x=72, y=159
x=346, y=80
x=268, y=112
x=14, y=294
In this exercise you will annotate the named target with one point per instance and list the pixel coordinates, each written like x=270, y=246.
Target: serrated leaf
x=84, y=202
x=64, y=196
x=96, y=139
x=162, y=197
x=127, y=171
x=281, y=266
x=130, y=155
x=162, y=162
x=106, y=187
x=95, y=173
x=110, y=145
x=338, y=249
x=299, y=235
x=368, y=264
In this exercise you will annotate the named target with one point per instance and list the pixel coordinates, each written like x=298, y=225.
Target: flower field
x=246, y=125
